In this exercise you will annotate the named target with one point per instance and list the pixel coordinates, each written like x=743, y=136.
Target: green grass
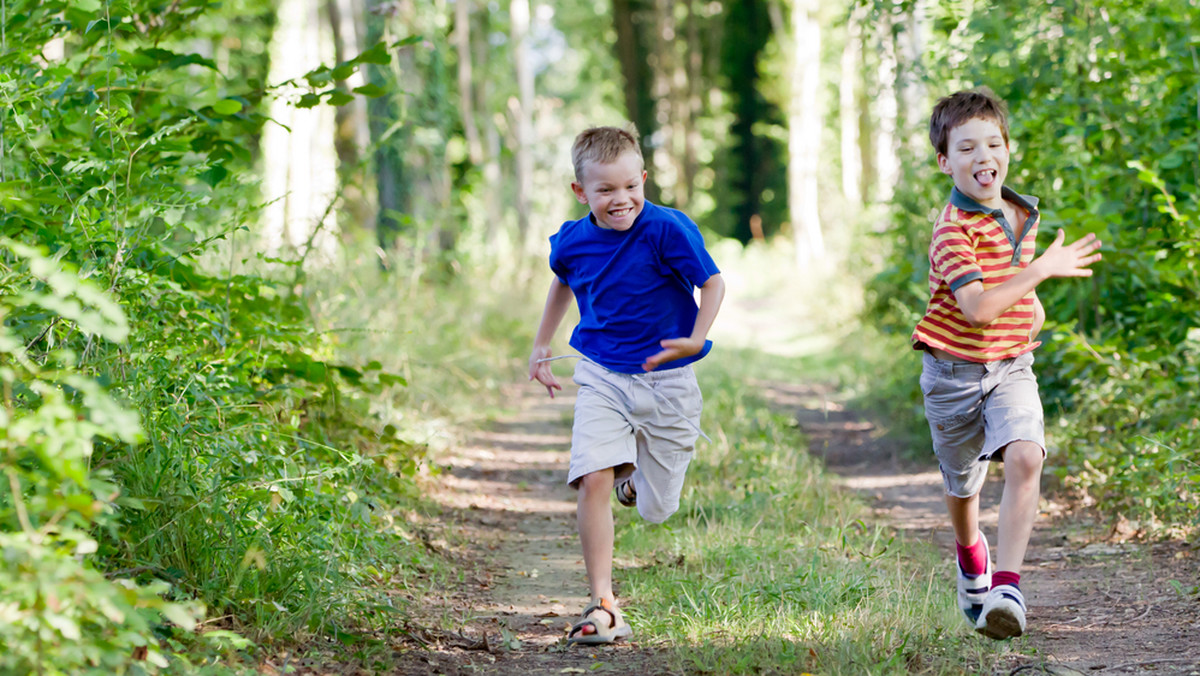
x=770, y=568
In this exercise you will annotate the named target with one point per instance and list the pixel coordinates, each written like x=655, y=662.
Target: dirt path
x=1096, y=605
x=505, y=491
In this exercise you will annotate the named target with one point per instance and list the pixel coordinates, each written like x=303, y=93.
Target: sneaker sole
x=1000, y=624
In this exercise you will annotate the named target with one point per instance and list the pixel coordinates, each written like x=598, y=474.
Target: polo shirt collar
x=960, y=201
x=1027, y=202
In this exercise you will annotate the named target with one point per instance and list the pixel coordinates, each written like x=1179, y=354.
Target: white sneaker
x=973, y=589
x=1003, y=614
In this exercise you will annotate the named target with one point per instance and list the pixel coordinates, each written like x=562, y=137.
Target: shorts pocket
x=952, y=423
x=928, y=381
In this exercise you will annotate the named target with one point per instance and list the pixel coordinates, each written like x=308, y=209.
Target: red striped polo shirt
x=972, y=242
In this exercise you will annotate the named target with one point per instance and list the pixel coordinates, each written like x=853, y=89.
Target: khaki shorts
x=975, y=411
x=624, y=421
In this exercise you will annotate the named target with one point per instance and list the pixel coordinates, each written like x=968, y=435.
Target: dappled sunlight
x=773, y=305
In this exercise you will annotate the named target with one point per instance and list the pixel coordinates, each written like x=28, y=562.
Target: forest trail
x=1098, y=603
x=505, y=492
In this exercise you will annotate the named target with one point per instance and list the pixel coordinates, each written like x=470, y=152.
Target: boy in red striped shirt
x=981, y=396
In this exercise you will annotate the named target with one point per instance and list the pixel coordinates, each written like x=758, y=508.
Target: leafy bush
x=1104, y=128
x=56, y=610
x=258, y=483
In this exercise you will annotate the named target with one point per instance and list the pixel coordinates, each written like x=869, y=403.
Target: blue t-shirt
x=635, y=287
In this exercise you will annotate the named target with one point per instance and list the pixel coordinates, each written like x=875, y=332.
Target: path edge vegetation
x=188, y=467
x=195, y=458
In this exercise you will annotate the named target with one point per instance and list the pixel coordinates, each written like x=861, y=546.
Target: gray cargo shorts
x=623, y=421
x=976, y=410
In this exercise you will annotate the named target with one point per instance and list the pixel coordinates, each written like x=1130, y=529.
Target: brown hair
x=962, y=107
x=603, y=145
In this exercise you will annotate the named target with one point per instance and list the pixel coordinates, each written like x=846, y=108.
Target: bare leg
x=594, y=515
x=1019, y=505
x=964, y=515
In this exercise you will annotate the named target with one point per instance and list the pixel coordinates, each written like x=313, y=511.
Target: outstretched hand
x=540, y=370
x=1072, y=259
x=673, y=348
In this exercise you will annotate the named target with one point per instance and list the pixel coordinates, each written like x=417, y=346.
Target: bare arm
x=711, y=295
x=983, y=307
x=558, y=300
x=1039, y=317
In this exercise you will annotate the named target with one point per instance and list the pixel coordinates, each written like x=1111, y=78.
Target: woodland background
x=255, y=256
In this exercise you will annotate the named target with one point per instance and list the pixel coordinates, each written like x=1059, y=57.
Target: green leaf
x=377, y=54
x=1172, y=161
x=370, y=90
x=318, y=77
x=340, y=98
x=227, y=107
x=214, y=175
x=392, y=379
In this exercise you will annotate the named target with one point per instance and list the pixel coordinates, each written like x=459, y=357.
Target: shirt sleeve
x=952, y=255
x=556, y=262
x=683, y=251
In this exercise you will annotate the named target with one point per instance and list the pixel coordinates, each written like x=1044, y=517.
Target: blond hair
x=603, y=145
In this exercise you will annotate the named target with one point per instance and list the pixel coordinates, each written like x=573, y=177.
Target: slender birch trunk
x=462, y=44
x=804, y=134
x=522, y=112
x=887, y=163
x=299, y=157
x=848, y=114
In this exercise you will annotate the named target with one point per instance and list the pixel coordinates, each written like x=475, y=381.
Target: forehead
x=975, y=129
x=627, y=166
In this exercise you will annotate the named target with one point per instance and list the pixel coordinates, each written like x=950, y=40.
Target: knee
x=1024, y=459
x=596, y=482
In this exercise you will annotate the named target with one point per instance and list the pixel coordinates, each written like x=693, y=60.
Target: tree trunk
x=490, y=141
x=848, y=114
x=887, y=164
x=804, y=134
x=695, y=104
x=301, y=164
x=633, y=53
x=746, y=34
x=382, y=113
x=522, y=111
x=912, y=90
x=462, y=43
x=671, y=94
x=344, y=140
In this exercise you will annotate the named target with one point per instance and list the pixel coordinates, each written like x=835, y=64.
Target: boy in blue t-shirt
x=632, y=267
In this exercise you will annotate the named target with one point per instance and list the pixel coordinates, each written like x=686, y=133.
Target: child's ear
x=579, y=193
x=944, y=164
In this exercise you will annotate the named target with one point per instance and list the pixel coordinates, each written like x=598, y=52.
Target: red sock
x=973, y=559
x=1006, y=577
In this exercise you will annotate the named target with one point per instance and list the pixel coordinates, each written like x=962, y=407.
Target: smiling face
x=613, y=190
x=977, y=159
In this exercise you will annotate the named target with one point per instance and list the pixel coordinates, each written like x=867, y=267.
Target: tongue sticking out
x=986, y=178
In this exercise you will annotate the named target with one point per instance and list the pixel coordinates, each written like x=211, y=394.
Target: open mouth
x=986, y=177
x=620, y=213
